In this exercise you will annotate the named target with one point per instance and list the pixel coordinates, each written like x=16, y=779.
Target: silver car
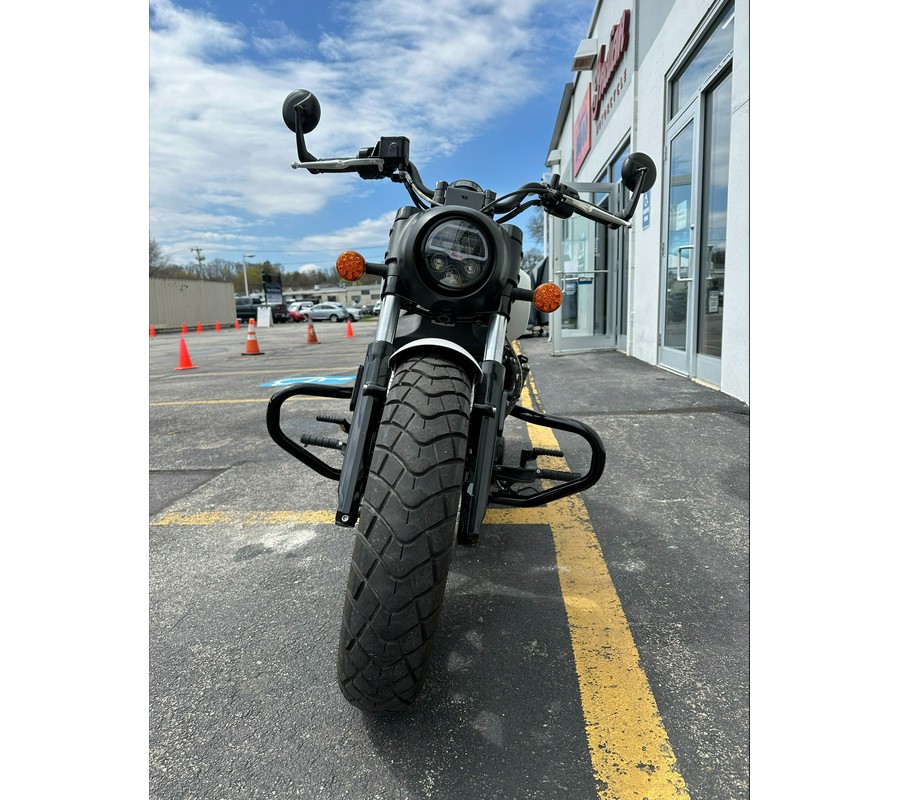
x=333, y=312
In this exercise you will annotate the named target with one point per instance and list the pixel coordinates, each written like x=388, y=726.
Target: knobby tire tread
x=406, y=535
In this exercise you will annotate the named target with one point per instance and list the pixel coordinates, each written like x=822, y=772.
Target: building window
x=715, y=47
x=714, y=217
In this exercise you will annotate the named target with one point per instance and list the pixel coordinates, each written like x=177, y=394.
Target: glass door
x=713, y=220
x=612, y=254
x=586, y=271
x=692, y=283
x=678, y=302
x=618, y=254
x=693, y=270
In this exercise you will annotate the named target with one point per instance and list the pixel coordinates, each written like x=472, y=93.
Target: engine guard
x=273, y=423
x=573, y=483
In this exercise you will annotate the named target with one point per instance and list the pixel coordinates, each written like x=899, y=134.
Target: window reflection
x=576, y=313
x=679, y=238
x=718, y=44
x=714, y=219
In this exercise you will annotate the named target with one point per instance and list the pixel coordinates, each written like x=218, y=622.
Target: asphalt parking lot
x=598, y=648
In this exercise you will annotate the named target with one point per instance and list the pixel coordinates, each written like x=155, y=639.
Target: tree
x=220, y=269
x=531, y=259
x=160, y=265
x=535, y=226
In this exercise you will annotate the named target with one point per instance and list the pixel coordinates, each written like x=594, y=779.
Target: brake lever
x=338, y=164
x=593, y=212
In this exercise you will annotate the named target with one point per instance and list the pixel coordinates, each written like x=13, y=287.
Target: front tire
x=406, y=536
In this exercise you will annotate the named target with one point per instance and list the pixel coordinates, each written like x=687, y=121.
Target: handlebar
x=390, y=159
x=558, y=200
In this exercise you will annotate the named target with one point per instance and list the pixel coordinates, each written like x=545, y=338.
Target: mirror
x=310, y=110
x=631, y=171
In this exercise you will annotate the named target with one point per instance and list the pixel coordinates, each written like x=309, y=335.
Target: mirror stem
x=635, y=195
x=303, y=155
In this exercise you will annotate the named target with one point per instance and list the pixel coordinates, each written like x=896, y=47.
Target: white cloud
x=216, y=134
x=366, y=234
x=220, y=153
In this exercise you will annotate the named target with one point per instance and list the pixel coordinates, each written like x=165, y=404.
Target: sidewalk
x=672, y=517
x=611, y=382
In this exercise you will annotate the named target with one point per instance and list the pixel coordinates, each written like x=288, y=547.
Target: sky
x=475, y=85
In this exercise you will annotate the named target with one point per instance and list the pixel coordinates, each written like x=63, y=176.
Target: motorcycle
x=423, y=454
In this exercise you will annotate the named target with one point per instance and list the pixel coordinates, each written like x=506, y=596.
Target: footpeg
x=531, y=455
x=558, y=475
x=323, y=441
x=511, y=474
x=335, y=419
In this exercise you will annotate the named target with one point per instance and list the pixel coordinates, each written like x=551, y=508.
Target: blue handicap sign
x=645, y=211
x=325, y=380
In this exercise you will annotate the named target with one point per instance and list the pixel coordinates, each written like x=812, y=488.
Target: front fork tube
x=367, y=406
x=486, y=427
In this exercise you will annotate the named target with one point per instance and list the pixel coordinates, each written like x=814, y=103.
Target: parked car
x=376, y=309
x=247, y=308
x=299, y=310
x=355, y=312
x=334, y=312
x=280, y=313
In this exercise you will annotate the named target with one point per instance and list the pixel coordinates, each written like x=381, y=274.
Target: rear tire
x=406, y=536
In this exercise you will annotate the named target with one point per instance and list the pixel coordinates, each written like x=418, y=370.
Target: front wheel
x=406, y=535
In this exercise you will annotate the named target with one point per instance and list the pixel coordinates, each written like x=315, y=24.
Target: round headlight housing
x=456, y=255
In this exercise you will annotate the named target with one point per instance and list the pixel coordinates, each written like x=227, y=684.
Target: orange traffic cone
x=218, y=327
x=199, y=328
x=349, y=330
x=183, y=328
x=311, y=337
x=185, y=360
x=252, y=344
x=237, y=324
x=152, y=330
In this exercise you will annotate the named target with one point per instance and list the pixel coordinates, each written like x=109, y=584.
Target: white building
x=353, y=295
x=669, y=78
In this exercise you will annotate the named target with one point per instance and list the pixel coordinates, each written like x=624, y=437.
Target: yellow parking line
x=232, y=402
x=247, y=518
x=208, y=402
x=629, y=747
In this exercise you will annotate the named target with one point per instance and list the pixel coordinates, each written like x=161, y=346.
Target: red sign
x=610, y=58
x=581, y=135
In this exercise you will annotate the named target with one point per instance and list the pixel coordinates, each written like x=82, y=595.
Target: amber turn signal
x=350, y=265
x=547, y=297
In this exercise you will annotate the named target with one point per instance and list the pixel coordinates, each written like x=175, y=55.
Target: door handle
x=678, y=274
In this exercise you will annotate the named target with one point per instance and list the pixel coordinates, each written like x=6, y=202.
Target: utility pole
x=246, y=288
x=200, y=260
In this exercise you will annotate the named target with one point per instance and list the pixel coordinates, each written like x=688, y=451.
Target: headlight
x=456, y=254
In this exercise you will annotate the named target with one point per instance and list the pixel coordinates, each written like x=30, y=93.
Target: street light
x=246, y=289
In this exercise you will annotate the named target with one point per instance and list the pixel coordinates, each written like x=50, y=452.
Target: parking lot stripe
x=246, y=518
x=208, y=402
x=629, y=747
